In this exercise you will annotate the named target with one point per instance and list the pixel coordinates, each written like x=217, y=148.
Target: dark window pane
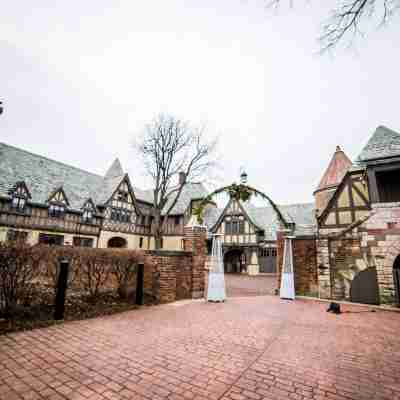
x=19, y=236
x=51, y=240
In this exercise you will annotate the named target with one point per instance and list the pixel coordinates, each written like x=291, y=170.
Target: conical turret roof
x=383, y=143
x=115, y=170
x=336, y=170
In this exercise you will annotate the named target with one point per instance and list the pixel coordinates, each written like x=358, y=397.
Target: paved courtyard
x=238, y=285
x=248, y=348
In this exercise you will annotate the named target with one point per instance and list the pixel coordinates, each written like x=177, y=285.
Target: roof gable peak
x=336, y=170
x=115, y=170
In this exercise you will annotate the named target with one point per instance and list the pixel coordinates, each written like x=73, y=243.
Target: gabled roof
x=265, y=218
x=43, y=175
x=336, y=170
x=384, y=143
x=115, y=170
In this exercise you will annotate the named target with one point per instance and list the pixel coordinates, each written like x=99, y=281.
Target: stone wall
x=372, y=244
x=305, y=264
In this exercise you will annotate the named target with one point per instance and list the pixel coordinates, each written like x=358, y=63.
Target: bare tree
x=170, y=146
x=346, y=18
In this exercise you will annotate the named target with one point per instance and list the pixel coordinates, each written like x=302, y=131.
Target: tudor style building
x=45, y=201
x=357, y=242
x=249, y=233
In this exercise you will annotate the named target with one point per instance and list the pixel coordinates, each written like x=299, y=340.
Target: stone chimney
x=182, y=178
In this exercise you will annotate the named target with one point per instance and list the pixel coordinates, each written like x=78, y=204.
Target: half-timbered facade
x=358, y=242
x=249, y=233
x=45, y=201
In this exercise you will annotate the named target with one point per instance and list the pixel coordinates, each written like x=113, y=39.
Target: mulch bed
x=40, y=310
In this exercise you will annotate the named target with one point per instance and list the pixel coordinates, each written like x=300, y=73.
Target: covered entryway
x=117, y=242
x=364, y=287
x=234, y=261
x=267, y=260
x=396, y=278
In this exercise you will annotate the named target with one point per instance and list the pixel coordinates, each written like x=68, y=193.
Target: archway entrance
x=234, y=261
x=396, y=278
x=117, y=242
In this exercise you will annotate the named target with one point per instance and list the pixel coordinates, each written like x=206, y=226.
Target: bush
x=124, y=269
x=19, y=266
x=92, y=270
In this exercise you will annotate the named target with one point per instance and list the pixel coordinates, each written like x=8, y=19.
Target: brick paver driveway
x=238, y=285
x=248, y=348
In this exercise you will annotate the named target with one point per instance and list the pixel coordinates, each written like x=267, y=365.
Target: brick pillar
x=195, y=242
x=324, y=267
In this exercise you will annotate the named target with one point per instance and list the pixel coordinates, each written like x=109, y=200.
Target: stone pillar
x=253, y=267
x=323, y=265
x=195, y=241
x=3, y=234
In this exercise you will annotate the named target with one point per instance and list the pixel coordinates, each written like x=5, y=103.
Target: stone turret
x=331, y=179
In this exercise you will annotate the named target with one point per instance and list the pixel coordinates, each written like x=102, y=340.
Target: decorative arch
x=117, y=242
x=238, y=192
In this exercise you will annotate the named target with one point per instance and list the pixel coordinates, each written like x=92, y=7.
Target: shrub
x=19, y=266
x=124, y=269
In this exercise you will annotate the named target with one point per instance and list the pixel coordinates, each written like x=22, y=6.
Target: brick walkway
x=248, y=348
x=238, y=285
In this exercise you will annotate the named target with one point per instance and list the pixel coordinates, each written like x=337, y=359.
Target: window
x=120, y=215
x=82, y=242
x=56, y=211
x=18, y=203
x=122, y=196
x=177, y=220
x=140, y=242
x=143, y=220
x=234, y=227
x=51, y=240
x=87, y=216
x=162, y=243
x=17, y=236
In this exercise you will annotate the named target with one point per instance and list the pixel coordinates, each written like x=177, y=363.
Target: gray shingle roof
x=383, y=143
x=189, y=192
x=43, y=175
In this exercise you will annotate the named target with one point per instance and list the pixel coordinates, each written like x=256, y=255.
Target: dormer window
x=56, y=210
x=58, y=203
x=87, y=216
x=20, y=195
x=88, y=212
x=18, y=203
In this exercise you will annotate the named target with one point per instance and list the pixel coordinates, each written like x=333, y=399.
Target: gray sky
x=80, y=78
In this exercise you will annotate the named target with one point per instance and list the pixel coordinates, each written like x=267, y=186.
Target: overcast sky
x=80, y=78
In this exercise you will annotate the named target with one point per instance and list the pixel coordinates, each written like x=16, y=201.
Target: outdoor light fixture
x=243, y=177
